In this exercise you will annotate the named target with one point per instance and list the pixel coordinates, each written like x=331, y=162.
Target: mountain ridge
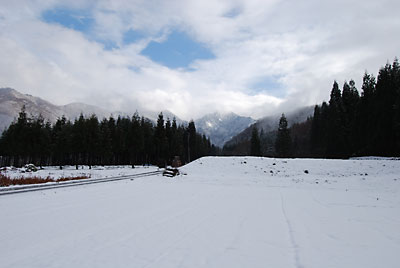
x=219, y=127
x=270, y=123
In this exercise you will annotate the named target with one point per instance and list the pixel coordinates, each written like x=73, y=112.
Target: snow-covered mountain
x=11, y=102
x=270, y=123
x=73, y=110
x=219, y=127
x=222, y=127
x=166, y=115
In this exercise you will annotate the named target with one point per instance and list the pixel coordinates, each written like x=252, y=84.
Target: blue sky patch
x=269, y=85
x=79, y=20
x=178, y=51
x=132, y=36
x=108, y=44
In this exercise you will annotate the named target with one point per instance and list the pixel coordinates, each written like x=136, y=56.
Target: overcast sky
x=252, y=57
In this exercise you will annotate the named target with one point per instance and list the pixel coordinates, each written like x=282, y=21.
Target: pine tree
x=87, y=141
x=283, y=141
x=386, y=95
x=105, y=142
x=191, y=136
x=255, y=144
x=149, y=145
x=316, y=130
x=336, y=125
x=160, y=140
x=364, y=126
x=135, y=139
x=92, y=134
x=174, y=140
x=168, y=138
x=396, y=106
x=350, y=98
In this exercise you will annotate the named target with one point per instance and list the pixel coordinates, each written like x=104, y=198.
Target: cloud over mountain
x=252, y=57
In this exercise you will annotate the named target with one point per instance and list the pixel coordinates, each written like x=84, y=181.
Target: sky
x=251, y=57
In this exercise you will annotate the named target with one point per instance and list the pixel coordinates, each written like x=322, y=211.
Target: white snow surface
x=95, y=172
x=221, y=212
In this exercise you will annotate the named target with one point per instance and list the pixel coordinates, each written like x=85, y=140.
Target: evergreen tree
x=336, y=134
x=168, y=138
x=135, y=139
x=160, y=141
x=149, y=145
x=364, y=128
x=283, y=141
x=255, y=149
x=92, y=138
x=105, y=141
x=396, y=105
x=316, y=130
x=191, y=132
x=385, y=97
x=59, y=141
x=174, y=140
x=351, y=100
x=78, y=142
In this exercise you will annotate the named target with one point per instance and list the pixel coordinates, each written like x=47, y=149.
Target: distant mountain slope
x=166, y=115
x=73, y=110
x=218, y=127
x=270, y=123
x=11, y=102
x=222, y=127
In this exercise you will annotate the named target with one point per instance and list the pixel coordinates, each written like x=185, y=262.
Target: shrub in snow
x=7, y=181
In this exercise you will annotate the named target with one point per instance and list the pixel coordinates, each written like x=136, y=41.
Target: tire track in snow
x=293, y=242
x=191, y=229
x=180, y=238
x=154, y=227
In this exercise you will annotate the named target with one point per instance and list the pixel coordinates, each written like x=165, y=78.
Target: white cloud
x=305, y=44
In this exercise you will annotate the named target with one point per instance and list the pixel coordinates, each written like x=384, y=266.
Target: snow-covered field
x=222, y=212
x=70, y=171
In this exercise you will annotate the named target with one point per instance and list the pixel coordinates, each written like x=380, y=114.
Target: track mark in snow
x=153, y=228
x=295, y=246
x=173, y=244
x=237, y=236
x=318, y=201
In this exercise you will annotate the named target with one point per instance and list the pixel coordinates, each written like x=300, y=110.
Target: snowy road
x=226, y=212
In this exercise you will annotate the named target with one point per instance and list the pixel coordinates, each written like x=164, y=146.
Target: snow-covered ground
x=222, y=212
x=70, y=171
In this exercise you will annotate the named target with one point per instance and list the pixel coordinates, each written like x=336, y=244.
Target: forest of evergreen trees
x=350, y=124
x=353, y=125
x=88, y=141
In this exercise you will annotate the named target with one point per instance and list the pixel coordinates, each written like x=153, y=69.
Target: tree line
x=87, y=141
x=350, y=124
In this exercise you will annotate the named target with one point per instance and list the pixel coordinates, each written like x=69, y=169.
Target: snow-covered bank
x=225, y=212
x=54, y=173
